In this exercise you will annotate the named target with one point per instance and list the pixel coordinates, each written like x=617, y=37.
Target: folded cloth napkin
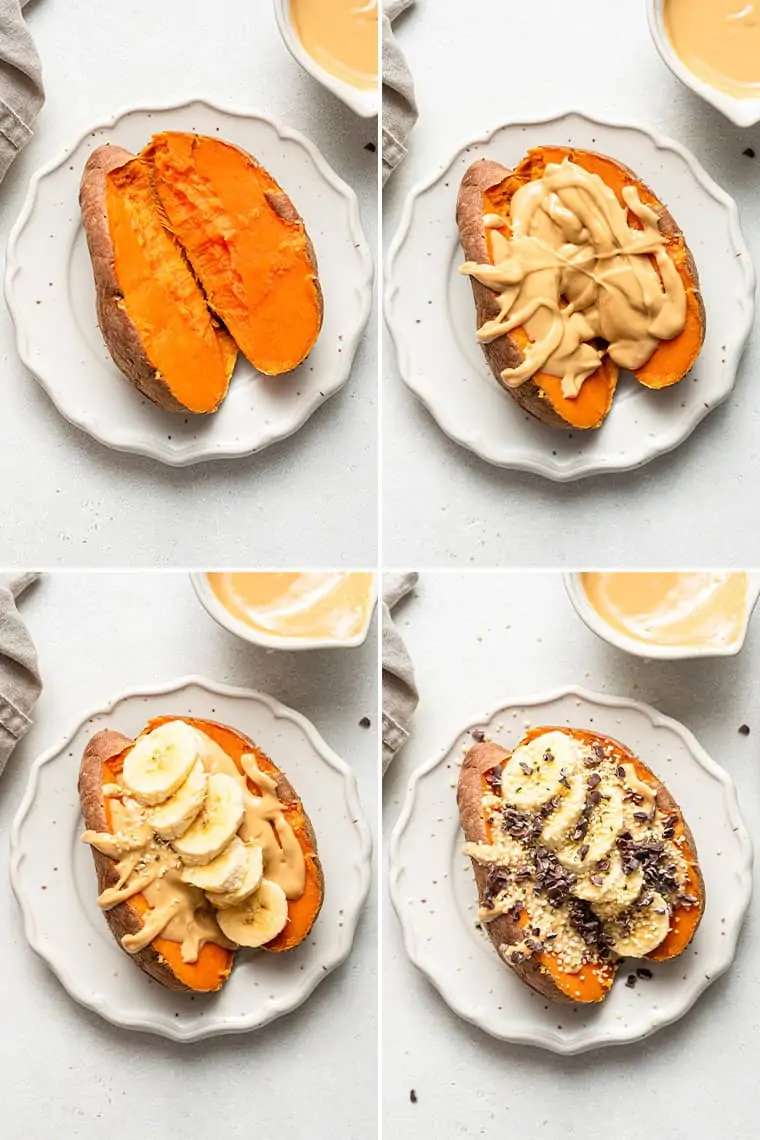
x=21, y=90
x=20, y=683
x=399, y=106
x=400, y=695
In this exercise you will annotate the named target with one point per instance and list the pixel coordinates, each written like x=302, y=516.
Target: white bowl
x=228, y=621
x=362, y=102
x=596, y=623
x=743, y=112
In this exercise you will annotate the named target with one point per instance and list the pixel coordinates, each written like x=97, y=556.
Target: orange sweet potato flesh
x=246, y=244
x=193, y=356
x=302, y=912
x=672, y=359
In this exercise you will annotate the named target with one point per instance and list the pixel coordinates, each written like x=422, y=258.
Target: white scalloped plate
x=430, y=314
x=51, y=296
x=440, y=934
x=53, y=875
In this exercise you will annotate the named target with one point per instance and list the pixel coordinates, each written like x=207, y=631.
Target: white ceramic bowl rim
x=363, y=102
x=228, y=621
x=742, y=112
x=596, y=623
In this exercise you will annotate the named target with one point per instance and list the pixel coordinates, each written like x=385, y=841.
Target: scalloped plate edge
x=191, y=453
x=540, y=1038
x=541, y=465
x=159, y=1025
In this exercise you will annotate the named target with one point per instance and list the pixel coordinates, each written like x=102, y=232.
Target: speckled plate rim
x=206, y=1026
x=552, y=1040
x=203, y=450
x=541, y=462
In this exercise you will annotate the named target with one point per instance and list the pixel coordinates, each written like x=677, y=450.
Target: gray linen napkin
x=399, y=105
x=400, y=695
x=21, y=90
x=20, y=683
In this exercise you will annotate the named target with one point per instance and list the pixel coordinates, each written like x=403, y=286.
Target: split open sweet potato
x=487, y=188
x=101, y=772
x=196, y=252
x=533, y=887
x=152, y=313
x=246, y=243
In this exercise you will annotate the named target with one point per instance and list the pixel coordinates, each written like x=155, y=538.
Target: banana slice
x=605, y=823
x=251, y=880
x=173, y=817
x=219, y=819
x=641, y=929
x=539, y=770
x=160, y=762
x=225, y=873
x=563, y=820
x=610, y=891
x=257, y=920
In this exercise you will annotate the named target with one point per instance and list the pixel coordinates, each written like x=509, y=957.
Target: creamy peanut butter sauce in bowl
x=338, y=43
x=713, y=47
x=290, y=609
x=667, y=614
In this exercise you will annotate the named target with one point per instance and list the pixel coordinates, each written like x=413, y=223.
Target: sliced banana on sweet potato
x=220, y=842
x=625, y=884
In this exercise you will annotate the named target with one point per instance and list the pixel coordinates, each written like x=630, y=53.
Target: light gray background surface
x=67, y=499
x=65, y=1073
x=477, y=641
x=444, y=506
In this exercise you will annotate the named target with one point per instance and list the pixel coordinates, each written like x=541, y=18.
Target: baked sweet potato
x=246, y=243
x=604, y=867
x=151, y=311
x=103, y=786
x=487, y=188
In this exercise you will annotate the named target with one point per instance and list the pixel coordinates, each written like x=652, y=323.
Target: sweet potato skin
x=504, y=352
x=122, y=919
x=119, y=333
x=505, y=930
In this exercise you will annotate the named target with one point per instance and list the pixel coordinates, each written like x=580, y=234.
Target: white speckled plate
x=434, y=894
x=51, y=296
x=431, y=317
x=53, y=875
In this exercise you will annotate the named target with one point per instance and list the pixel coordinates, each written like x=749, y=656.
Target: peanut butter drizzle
x=179, y=911
x=719, y=40
x=572, y=271
x=264, y=822
x=149, y=866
